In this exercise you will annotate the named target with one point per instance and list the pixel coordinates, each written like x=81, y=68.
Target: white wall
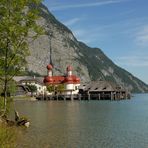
x=72, y=89
x=40, y=88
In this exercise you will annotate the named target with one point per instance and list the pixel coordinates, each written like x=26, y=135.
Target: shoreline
x=25, y=99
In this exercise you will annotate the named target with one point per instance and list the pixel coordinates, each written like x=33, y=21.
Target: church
x=69, y=81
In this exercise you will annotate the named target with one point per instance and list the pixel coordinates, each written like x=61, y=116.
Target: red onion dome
x=48, y=80
x=69, y=68
x=49, y=67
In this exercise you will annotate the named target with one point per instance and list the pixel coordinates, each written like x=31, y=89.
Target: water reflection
x=74, y=124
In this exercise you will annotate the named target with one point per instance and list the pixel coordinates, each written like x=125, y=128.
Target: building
x=69, y=81
x=28, y=80
x=22, y=90
x=103, y=90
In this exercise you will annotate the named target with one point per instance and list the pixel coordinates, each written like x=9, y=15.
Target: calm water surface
x=86, y=124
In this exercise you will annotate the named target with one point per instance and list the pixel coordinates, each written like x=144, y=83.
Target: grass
x=8, y=136
x=22, y=98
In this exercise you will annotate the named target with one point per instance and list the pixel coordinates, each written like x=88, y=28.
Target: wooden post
x=64, y=98
x=99, y=96
x=103, y=95
x=88, y=96
x=125, y=94
x=51, y=97
x=120, y=95
x=57, y=97
x=115, y=95
x=79, y=95
x=71, y=96
x=111, y=95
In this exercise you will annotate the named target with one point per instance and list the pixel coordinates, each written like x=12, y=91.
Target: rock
x=21, y=121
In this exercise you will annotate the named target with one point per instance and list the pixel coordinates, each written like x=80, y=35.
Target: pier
x=90, y=96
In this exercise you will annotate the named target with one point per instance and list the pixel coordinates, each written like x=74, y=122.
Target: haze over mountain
x=61, y=48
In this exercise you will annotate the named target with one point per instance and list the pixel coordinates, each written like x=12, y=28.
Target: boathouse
x=103, y=90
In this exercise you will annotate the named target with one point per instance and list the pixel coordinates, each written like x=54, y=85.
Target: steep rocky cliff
x=61, y=48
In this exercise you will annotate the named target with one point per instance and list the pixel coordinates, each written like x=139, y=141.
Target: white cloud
x=142, y=36
x=71, y=21
x=82, y=35
x=93, y=4
x=89, y=35
x=133, y=61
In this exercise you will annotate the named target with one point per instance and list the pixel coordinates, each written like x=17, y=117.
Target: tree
x=11, y=88
x=18, y=24
x=32, y=88
x=60, y=88
x=50, y=88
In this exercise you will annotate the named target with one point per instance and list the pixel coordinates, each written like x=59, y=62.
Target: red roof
x=48, y=79
x=61, y=79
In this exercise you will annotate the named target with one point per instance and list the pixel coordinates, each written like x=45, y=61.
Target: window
x=104, y=88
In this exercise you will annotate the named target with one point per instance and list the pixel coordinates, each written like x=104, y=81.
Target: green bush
x=50, y=88
x=32, y=88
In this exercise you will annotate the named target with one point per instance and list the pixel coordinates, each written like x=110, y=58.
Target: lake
x=86, y=124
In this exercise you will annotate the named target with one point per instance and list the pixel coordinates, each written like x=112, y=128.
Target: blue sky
x=118, y=27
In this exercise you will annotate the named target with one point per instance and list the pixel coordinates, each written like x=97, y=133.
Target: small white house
x=36, y=81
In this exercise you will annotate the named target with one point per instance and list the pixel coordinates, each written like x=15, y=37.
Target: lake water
x=86, y=124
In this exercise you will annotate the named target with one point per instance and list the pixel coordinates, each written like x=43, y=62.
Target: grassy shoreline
x=28, y=98
x=8, y=136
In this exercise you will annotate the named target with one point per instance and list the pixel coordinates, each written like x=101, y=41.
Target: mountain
x=61, y=48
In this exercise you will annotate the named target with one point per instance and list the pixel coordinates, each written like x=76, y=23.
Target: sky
x=118, y=27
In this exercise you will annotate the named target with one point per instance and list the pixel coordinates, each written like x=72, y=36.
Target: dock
x=100, y=96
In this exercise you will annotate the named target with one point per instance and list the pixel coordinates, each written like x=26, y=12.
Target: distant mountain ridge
x=63, y=48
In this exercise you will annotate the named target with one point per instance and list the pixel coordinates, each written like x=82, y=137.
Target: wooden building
x=103, y=90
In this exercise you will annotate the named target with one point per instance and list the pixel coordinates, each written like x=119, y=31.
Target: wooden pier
x=100, y=96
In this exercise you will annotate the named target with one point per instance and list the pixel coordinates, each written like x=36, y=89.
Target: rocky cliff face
x=61, y=48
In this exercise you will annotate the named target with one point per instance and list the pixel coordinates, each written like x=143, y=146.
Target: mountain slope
x=61, y=48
